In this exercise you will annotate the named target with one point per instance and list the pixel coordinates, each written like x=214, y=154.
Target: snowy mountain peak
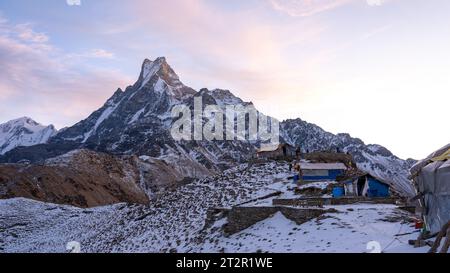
x=23, y=121
x=159, y=76
x=23, y=131
x=158, y=68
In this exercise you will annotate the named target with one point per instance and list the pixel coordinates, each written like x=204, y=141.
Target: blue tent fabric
x=377, y=188
x=338, y=192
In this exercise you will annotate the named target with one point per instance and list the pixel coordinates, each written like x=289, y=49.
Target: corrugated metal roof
x=268, y=148
x=323, y=166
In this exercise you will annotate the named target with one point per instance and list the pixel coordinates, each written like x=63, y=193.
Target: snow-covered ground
x=175, y=221
x=349, y=230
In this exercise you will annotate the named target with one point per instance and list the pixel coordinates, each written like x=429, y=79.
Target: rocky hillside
x=23, y=132
x=85, y=178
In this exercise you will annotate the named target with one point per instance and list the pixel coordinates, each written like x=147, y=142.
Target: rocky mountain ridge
x=137, y=121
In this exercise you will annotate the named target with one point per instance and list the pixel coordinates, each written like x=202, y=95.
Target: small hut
x=322, y=171
x=276, y=151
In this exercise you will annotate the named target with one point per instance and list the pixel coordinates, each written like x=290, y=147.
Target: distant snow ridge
x=23, y=132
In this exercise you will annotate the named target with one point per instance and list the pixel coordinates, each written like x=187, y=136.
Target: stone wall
x=319, y=202
x=240, y=218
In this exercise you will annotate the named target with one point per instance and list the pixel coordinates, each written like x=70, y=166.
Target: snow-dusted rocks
x=23, y=132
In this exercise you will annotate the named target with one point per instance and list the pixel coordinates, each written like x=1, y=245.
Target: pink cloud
x=237, y=49
x=305, y=8
x=27, y=34
x=92, y=54
x=37, y=79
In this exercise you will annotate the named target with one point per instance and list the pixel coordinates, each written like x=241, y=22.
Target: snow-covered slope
x=176, y=222
x=23, y=132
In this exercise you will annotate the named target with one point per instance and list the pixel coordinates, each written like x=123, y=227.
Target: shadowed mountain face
x=137, y=121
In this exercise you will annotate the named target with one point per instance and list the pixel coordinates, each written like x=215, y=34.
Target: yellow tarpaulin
x=442, y=157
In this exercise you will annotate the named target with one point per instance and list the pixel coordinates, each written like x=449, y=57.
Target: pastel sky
x=377, y=69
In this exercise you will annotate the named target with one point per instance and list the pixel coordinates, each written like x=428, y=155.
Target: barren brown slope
x=81, y=178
